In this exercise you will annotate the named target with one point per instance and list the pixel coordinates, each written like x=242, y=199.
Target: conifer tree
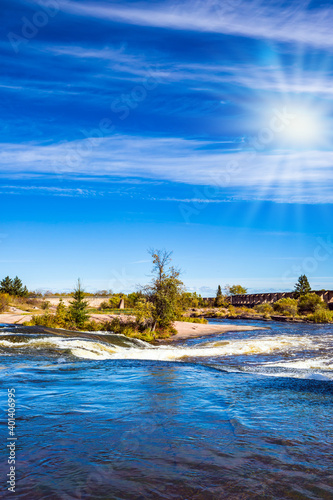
x=302, y=286
x=18, y=289
x=13, y=287
x=61, y=314
x=6, y=286
x=219, y=297
x=78, y=308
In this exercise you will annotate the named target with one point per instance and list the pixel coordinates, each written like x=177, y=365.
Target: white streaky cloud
x=110, y=63
x=277, y=175
x=69, y=192
x=194, y=200
x=118, y=60
x=252, y=76
x=257, y=18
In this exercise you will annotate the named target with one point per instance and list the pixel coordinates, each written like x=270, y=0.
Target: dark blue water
x=241, y=415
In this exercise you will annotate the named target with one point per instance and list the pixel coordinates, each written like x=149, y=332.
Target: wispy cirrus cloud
x=198, y=95
x=296, y=177
x=48, y=190
x=276, y=21
x=247, y=75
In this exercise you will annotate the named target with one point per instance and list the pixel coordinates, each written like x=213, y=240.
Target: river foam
x=91, y=349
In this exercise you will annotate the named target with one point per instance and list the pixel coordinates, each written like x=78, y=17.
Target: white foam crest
x=97, y=350
x=319, y=363
x=170, y=353
x=285, y=373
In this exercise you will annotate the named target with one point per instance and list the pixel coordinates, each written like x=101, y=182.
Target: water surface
x=240, y=415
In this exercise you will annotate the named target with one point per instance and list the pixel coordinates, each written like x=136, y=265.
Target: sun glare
x=304, y=128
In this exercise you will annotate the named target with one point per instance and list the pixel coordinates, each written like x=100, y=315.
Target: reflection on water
x=240, y=415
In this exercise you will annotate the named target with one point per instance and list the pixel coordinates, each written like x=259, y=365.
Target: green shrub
x=244, y=309
x=220, y=314
x=48, y=320
x=132, y=298
x=193, y=320
x=231, y=310
x=144, y=312
x=265, y=309
x=310, y=302
x=115, y=299
x=286, y=307
x=321, y=316
x=189, y=300
x=93, y=326
x=221, y=302
x=4, y=302
x=104, y=305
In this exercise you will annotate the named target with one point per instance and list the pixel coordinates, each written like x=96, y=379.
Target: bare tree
x=161, y=259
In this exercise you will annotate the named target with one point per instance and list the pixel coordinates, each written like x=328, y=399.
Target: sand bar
x=191, y=330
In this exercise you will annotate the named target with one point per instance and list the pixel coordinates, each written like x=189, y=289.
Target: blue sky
x=203, y=127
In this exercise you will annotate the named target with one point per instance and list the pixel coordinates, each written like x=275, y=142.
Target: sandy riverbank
x=15, y=317
x=189, y=330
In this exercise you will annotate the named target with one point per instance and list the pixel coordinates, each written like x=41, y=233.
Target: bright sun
x=304, y=129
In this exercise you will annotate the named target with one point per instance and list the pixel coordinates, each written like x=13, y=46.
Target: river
x=239, y=415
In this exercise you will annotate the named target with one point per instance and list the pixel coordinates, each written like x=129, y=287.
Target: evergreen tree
x=61, y=314
x=6, y=286
x=78, y=307
x=18, y=289
x=219, y=297
x=302, y=286
x=13, y=287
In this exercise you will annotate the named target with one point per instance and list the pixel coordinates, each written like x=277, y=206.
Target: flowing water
x=239, y=415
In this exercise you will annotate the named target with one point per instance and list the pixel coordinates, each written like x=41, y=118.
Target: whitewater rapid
x=270, y=354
